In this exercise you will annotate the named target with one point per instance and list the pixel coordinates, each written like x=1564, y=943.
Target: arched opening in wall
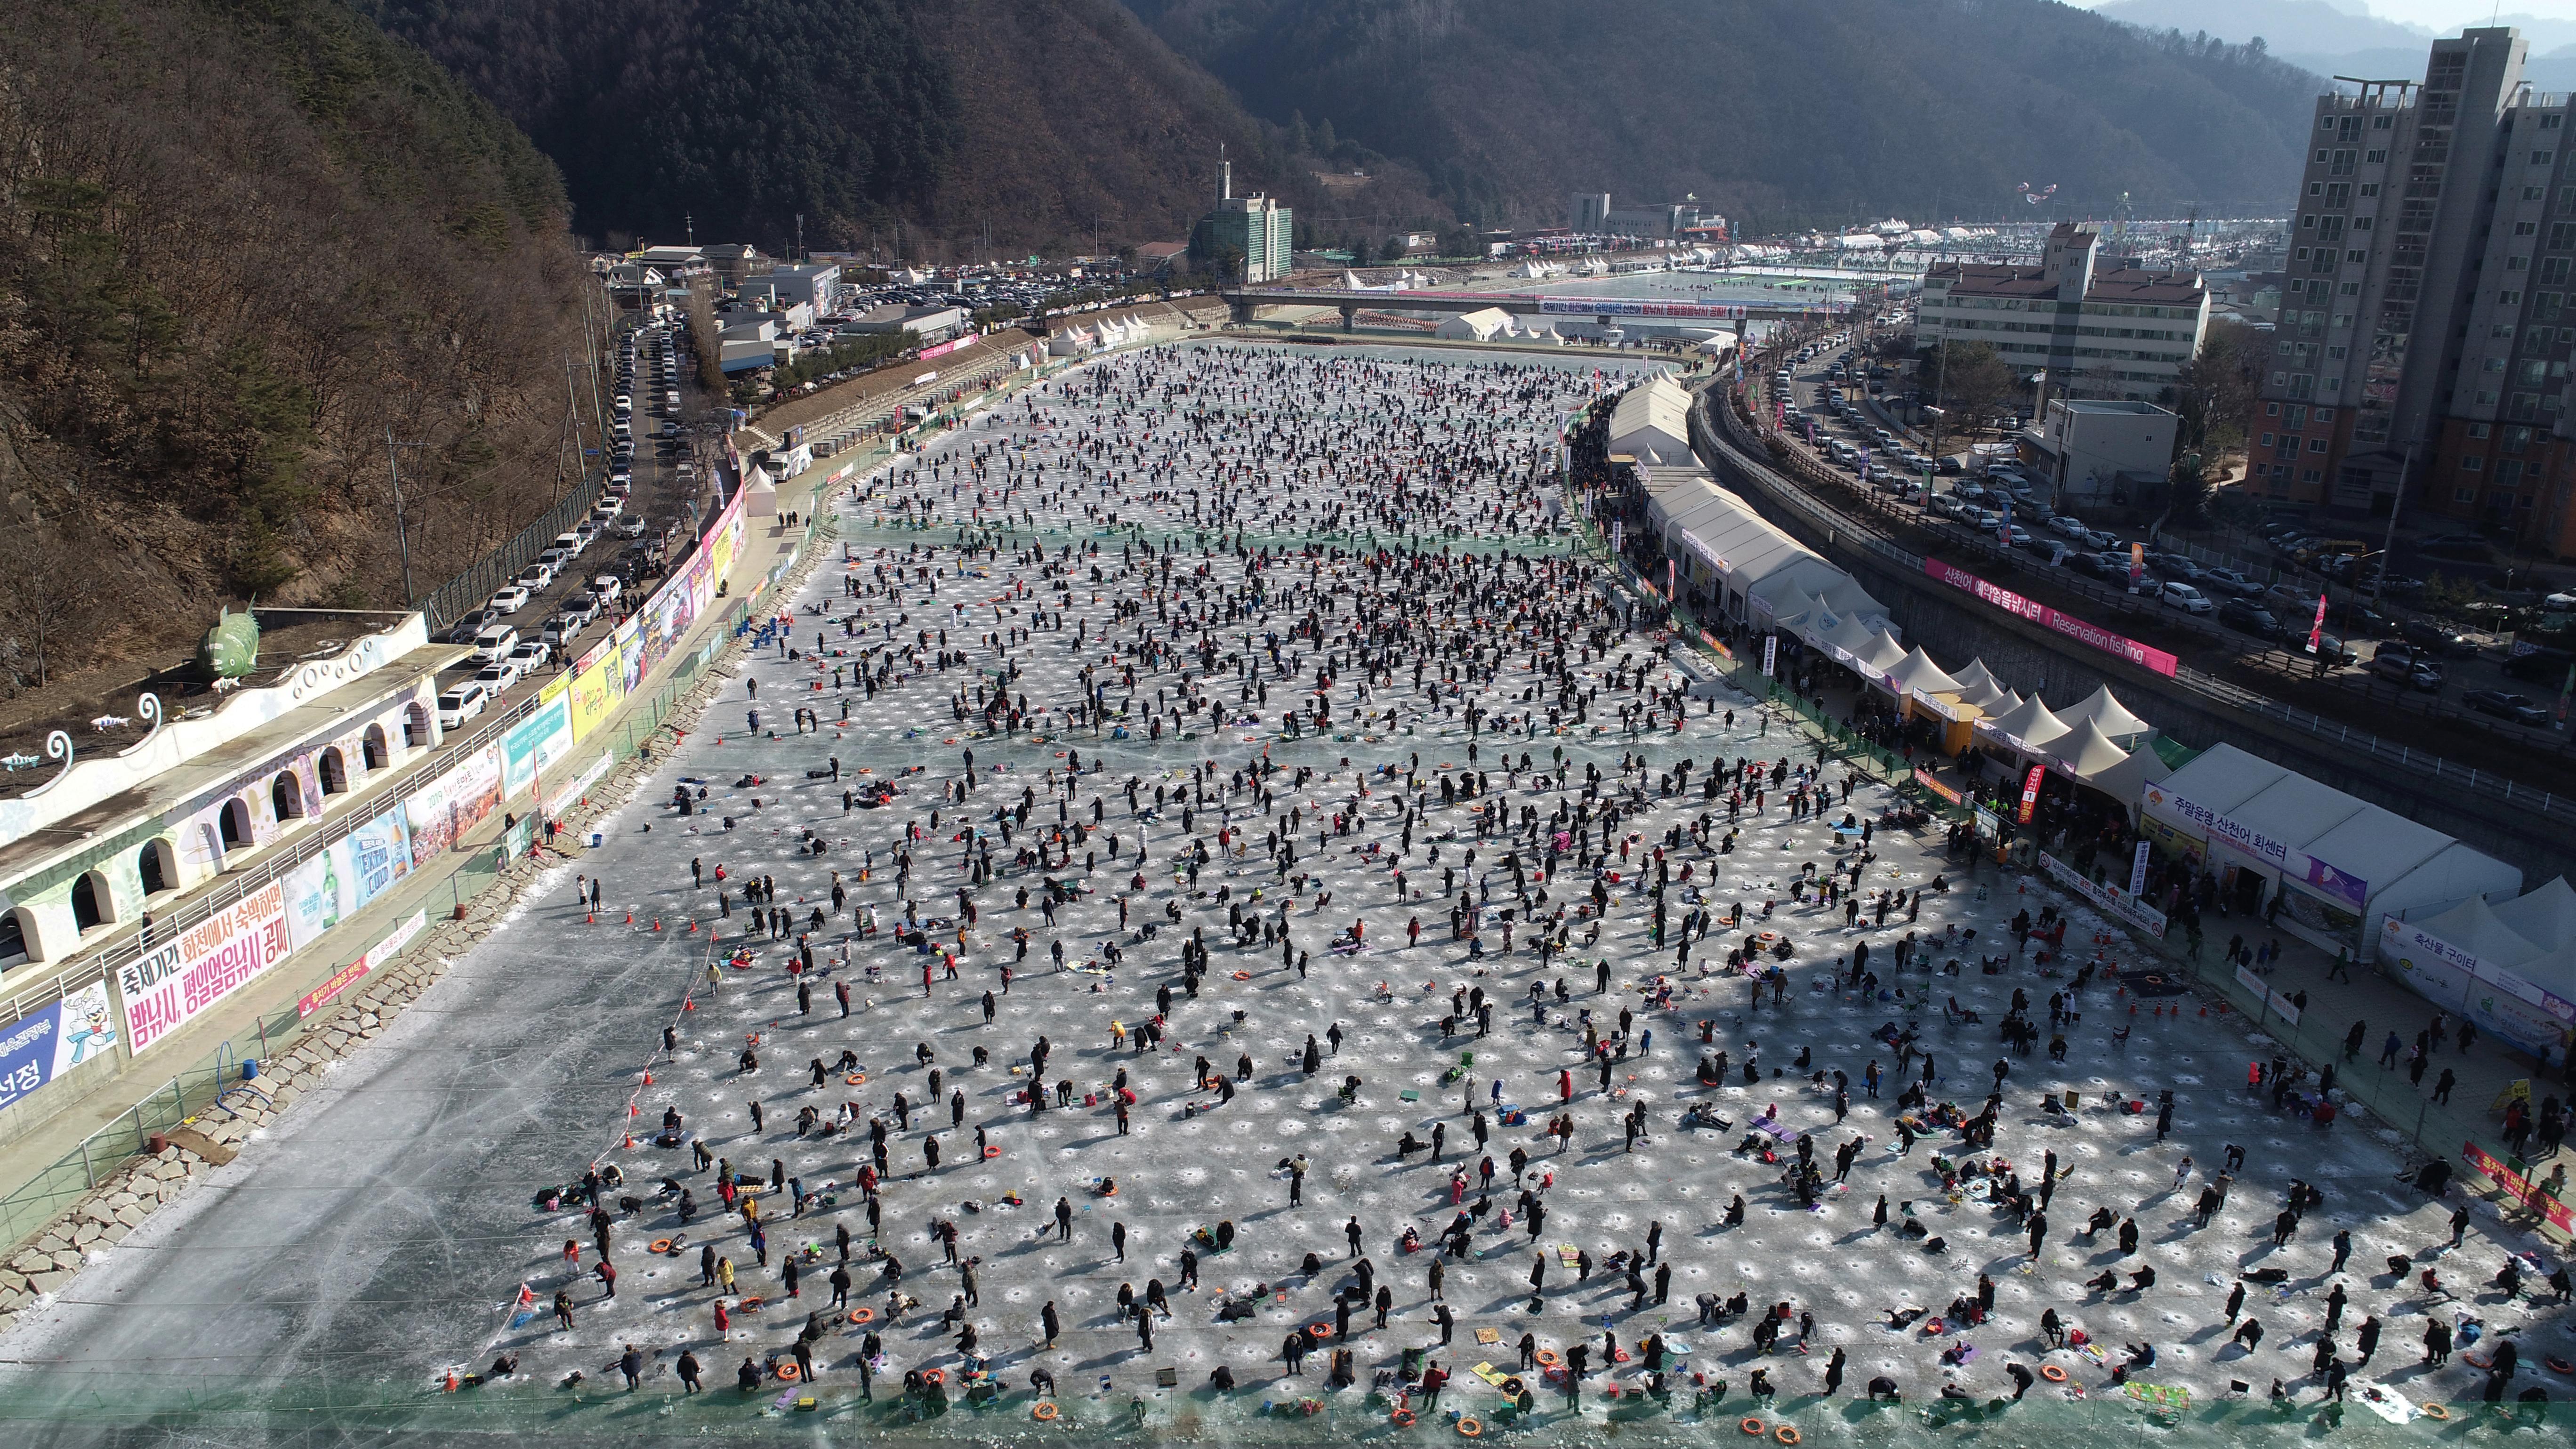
x=13, y=939
x=416, y=726
x=373, y=750
x=334, y=771
x=158, y=865
x=236, y=825
x=286, y=796
x=90, y=902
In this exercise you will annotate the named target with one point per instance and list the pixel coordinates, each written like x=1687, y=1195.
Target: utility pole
x=2388, y=539
x=402, y=534
x=689, y=227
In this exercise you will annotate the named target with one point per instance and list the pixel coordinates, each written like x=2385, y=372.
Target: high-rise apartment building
x=2425, y=312
x=1253, y=232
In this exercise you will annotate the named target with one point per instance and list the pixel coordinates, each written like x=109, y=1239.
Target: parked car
x=628, y=526
x=2398, y=665
x=494, y=642
x=532, y=655
x=2249, y=616
x=2228, y=581
x=462, y=703
x=2068, y=526
x=509, y=601
x=497, y=676
x=2184, y=597
x=2424, y=634
x=2338, y=651
x=2515, y=707
x=536, y=575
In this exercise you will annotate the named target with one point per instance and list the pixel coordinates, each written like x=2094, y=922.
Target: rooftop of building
x=1985, y=279
x=2109, y=405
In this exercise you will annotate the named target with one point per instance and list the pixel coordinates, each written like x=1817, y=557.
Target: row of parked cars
x=504, y=654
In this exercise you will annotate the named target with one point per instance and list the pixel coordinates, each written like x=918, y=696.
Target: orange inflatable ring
x=855, y=1078
x=1469, y=1428
x=661, y=1245
x=2052, y=1373
x=2435, y=1411
x=1547, y=1358
x=748, y=1305
x=991, y=1151
x=1319, y=1330
x=1785, y=1434
x=863, y=1315
x=1753, y=1427
x=1401, y=1418
x=1042, y=1412
x=788, y=1372
x=1243, y=976
x=933, y=1376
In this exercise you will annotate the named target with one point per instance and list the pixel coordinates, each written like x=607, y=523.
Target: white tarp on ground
x=1653, y=421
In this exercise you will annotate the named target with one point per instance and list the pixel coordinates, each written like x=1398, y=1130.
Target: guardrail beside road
x=1862, y=530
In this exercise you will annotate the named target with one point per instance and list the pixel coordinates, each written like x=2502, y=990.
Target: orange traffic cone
x=590, y=918
x=451, y=1381
x=657, y=923
x=648, y=1079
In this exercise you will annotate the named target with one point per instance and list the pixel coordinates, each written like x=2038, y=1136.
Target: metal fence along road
x=1864, y=532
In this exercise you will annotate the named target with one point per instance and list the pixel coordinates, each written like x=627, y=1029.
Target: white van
x=495, y=642
x=462, y=703
x=606, y=589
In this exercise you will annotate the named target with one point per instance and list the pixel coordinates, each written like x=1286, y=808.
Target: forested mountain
x=1818, y=111
x=245, y=238
x=1046, y=123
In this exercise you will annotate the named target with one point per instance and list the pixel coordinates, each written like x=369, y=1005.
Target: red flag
x=2030, y=792
x=2317, y=630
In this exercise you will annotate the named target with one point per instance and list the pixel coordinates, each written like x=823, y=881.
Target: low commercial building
x=817, y=287
x=931, y=324
x=2096, y=331
x=2096, y=450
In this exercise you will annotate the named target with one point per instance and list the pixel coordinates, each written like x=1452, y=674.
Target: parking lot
x=2266, y=618
x=593, y=574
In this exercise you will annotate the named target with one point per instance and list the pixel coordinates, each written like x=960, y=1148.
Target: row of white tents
x=2346, y=874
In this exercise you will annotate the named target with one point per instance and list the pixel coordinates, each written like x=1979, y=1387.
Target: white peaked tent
x=1994, y=700
x=1850, y=637
x=2128, y=780
x=2085, y=751
x=2472, y=925
x=1916, y=673
x=2110, y=714
x=1797, y=612
x=1975, y=679
x=1881, y=654
x=2546, y=917
x=2030, y=729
